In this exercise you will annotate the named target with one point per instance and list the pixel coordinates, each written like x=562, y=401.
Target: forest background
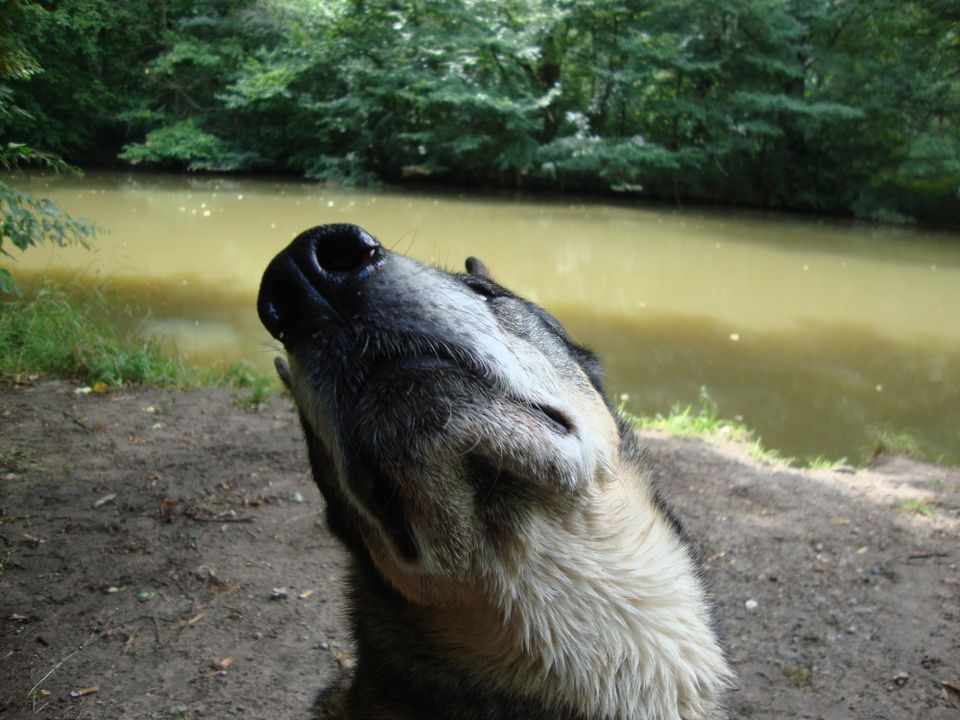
x=831, y=106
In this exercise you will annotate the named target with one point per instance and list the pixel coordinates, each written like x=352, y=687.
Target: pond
x=818, y=334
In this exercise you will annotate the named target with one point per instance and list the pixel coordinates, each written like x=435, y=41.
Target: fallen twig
x=223, y=519
x=105, y=499
x=57, y=666
x=119, y=627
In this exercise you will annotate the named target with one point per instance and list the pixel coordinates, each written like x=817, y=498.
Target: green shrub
x=62, y=331
x=69, y=331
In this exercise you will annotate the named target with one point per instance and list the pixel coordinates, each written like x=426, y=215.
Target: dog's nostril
x=346, y=250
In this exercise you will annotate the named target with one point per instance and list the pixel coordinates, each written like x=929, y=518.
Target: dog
x=508, y=558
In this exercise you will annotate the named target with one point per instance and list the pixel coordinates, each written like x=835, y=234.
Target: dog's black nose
x=314, y=277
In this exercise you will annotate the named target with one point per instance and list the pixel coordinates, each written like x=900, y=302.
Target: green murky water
x=817, y=334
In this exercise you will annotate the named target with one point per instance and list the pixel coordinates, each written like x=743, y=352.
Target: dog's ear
x=476, y=268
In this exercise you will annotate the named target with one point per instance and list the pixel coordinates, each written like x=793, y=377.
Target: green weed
x=16, y=459
x=685, y=421
x=60, y=334
x=705, y=421
x=918, y=506
x=892, y=442
x=798, y=675
x=769, y=456
x=259, y=385
x=66, y=331
x=819, y=462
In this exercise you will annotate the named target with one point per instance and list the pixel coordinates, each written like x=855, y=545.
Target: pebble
x=751, y=605
x=788, y=652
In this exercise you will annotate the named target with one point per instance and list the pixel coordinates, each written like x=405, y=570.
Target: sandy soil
x=164, y=557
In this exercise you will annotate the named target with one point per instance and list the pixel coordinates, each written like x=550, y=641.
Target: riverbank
x=70, y=330
x=819, y=336
x=164, y=557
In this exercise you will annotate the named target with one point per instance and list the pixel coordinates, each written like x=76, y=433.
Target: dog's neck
x=602, y=615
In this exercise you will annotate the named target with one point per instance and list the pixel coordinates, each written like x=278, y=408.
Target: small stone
x=279, y=594
x=788, y=652
x=751, y=605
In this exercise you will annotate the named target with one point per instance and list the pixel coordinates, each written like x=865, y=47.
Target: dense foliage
x=830, y=105
x=25, y=220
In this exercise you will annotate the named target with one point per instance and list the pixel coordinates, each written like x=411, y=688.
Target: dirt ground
x=164, y=556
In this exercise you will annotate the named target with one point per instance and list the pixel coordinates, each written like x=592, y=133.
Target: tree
x=26, y=220
x=824, y=105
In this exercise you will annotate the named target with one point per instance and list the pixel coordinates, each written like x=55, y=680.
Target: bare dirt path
x=164, y=557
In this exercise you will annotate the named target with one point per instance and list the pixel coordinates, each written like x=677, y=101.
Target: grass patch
x=58, y=333
x=16, y=460
x=66, y=331
x=798, y=675
x=819, y=462
x=770, y=456
x=685, y=421
x=891, y=442
x=705, y=421
x=918, y=506
x=259, y=386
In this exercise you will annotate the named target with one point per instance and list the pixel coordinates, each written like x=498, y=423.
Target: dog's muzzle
x=316, y=278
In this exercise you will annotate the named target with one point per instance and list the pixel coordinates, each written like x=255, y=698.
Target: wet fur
x=509, y=558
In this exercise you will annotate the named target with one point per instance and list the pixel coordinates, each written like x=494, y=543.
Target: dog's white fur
x=610, y=617
x=603, y=615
